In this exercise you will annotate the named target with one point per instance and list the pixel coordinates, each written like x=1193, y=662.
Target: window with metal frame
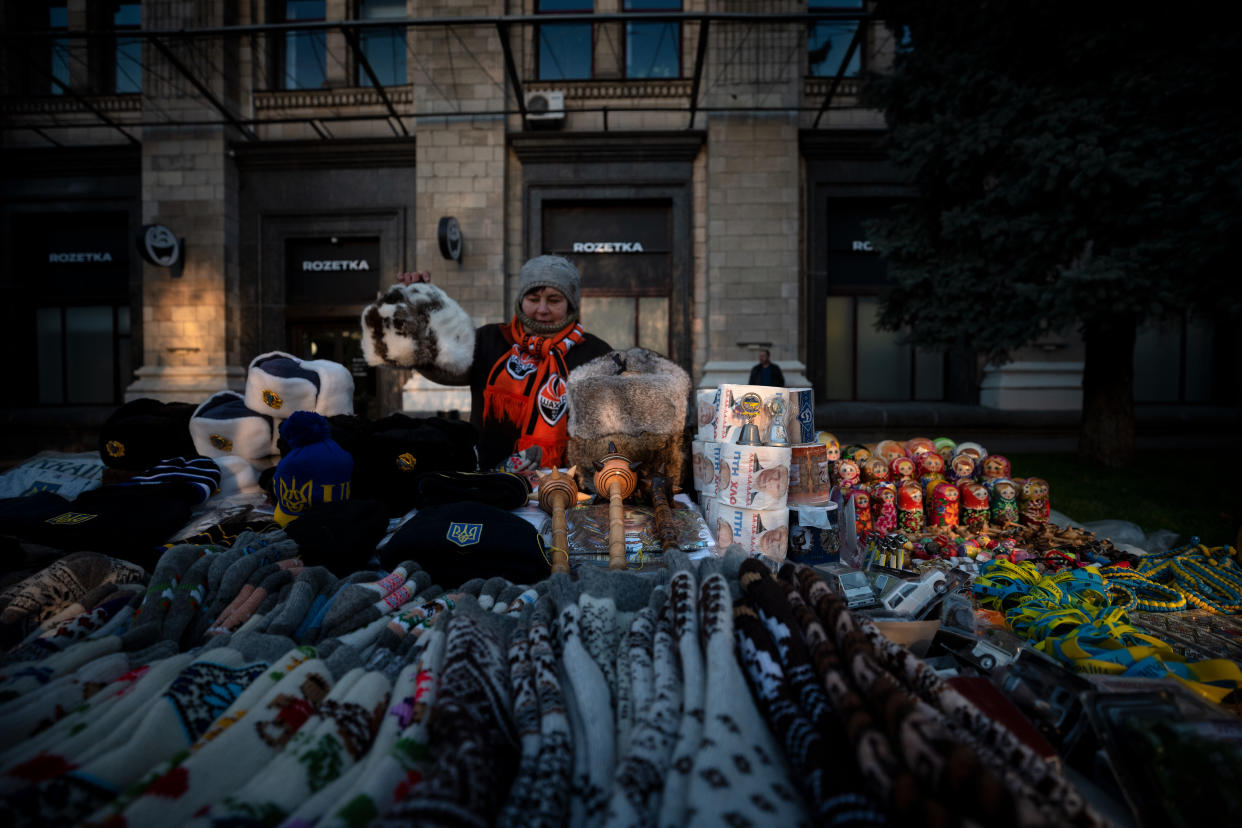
x=652, y=48
x=126, y=64
x=384, y=48
x=58, y=53
x=83, y=354
x=565, y=51
x=301, y=55
x=829, y=40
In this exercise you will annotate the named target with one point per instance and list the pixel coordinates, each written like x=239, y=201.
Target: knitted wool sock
x=400, y=706
x=394, y=600
x=331, y=741
x=526, y=598
x=491, y=588
x=471, y=587
x=68, y=746
x=391, y=775
x=255, y=600
x=637, y=678
x=539, y=795
x=310, y=583
x=312, y=627
x=506, y=597
x=471, y=731
x=683, y=600
x=739, y=776
x=236, y=747
x=188, y=599
x=26, y=716
x=525, y=720
x=25, y=677
x=589, y=704
x=638, y=786
x=60, y=584
x=188, y=706
x=357, y=597
x=623, y=701
x=69, y=632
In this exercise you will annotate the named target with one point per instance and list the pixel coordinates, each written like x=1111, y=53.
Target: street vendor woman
x=516, y=370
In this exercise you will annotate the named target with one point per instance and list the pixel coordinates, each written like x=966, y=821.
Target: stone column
x=190, y=185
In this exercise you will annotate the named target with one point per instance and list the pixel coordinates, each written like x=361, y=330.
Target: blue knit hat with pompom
x=316, y=470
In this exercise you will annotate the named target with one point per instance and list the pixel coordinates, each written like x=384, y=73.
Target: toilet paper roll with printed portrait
x=760, y=533
x=798, y=412
x=753, y=477
x=705, y=458
x=705, y=412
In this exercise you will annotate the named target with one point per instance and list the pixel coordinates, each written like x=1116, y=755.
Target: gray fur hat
x=549, y=271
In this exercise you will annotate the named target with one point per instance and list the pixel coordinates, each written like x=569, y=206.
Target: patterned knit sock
x=60, y=584
x=506, y=597
x=638, y=786
x=22, y=678
x=389, y=776
x=739, y=776
x=311, y=628
x=525, y=720
x=471, y=730
x=192, y=701
x=237, y=746
x=683, y=600
x=331, y=741
x=386, y=604
x=491, y=588
x=357, y=597
x=24, y=717
x=187, y=601
x=550, y=776
x=589, y=704
x=310, y=583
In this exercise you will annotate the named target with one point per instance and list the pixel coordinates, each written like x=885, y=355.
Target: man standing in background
x=766, y=372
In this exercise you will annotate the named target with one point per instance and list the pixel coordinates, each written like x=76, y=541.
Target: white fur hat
x=224, y=425
x=237, y=475
x=279, y=384
x=418, y=326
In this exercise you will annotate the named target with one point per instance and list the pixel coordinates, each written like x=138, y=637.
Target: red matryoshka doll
x=875, y=470
x=888, y=450
x=884, y=507
x=831, y=443
x=917, y=445
x=930, y=469
x=1033, y=502
x=974, y=500
x=848, y=475
x=901, y=469
x=942, y=507
x=1003, y=501
x=862, y=510
x=994, y=466
x=945, y=447
x=963, y=467
x=910, y=507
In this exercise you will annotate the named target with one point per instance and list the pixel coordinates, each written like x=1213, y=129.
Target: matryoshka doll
x=889, y=449
x=917, y=445
x=930, y=469
x=994, y=466
x=901, y=469
x=856, y=452
x=884, y=507
x=831, y=443
x=875, y=470
x=946, y=448
x=1033, y=502
x=1003, y=501
x=942, y=506
x=974, y=449
x=910, y=508
x=847, y=474
x=974, y=500
x=963, y=467
x=862, y=510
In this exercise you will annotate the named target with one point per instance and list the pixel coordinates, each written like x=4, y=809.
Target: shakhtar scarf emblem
x=552, y=400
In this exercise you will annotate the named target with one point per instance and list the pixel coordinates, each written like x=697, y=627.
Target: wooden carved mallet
x=658, y=490
x=557, y=492
x=615, y=477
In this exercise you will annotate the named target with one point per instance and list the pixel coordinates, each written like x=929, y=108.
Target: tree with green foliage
x=1076, y=164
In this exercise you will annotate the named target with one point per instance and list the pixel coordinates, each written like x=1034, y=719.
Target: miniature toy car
x=850, y=584
x=912, y=597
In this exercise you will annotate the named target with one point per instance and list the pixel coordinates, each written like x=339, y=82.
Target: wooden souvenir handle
x=615, y=477
x=557, y=491
x=658, y=489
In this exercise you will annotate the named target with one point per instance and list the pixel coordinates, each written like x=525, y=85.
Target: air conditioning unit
x=545, y=109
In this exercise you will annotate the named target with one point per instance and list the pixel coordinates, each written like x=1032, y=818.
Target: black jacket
x=778, y=378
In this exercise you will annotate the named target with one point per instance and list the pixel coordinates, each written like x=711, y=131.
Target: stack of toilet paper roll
x=746, y=492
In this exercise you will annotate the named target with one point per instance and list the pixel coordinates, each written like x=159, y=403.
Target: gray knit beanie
x=549, y=271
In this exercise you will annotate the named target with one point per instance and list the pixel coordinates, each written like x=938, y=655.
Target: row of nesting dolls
x=939, y=483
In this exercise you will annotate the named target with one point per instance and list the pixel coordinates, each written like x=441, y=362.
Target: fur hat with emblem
x=225, y=425
x=143, y=432
x=278, y=384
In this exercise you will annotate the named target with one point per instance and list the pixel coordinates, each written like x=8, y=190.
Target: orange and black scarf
x=526, y=388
